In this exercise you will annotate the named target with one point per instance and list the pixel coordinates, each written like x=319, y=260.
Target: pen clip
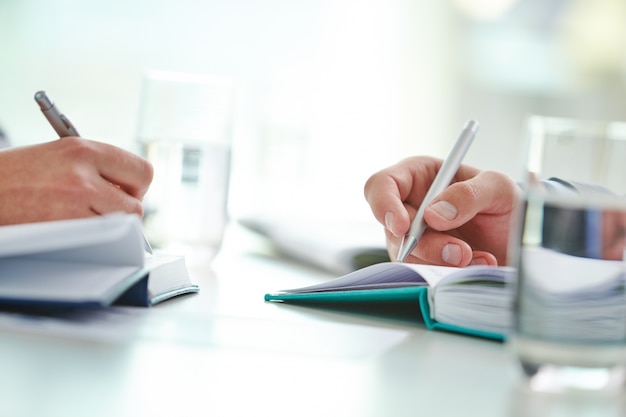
x=69, y=126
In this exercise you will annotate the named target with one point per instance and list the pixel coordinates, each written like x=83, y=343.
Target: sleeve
x=4, y=139
x=573, y=231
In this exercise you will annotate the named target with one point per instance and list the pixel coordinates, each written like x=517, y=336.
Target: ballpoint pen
x=63, y=127
x=442, y=180
x=57, y=120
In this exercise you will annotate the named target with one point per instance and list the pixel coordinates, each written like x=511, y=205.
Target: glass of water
x=570, y=304
x=185, y=130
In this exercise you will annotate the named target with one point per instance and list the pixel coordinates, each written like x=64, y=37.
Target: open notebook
x=478, y=300
x=474, y=300
x=91, y=262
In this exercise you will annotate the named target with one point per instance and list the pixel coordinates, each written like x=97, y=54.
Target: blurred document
x=335, y=246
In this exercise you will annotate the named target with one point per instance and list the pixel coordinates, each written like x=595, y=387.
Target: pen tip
x=407, y=245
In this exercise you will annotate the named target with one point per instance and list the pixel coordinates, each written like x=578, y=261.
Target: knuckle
x=368, y=185
x=77, y=148
x=504, y=186
x=136, y=207
x=148, y=170
x=467, y=191
x=80, y=182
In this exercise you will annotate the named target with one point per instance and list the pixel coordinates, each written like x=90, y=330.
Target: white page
x=112, y=239
x=385, y=275
x=168, y=273
x=560, y=273
x=59, y=281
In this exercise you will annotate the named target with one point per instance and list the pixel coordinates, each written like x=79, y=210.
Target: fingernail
x=389, y=221
x=451, y=254
x=444, y=209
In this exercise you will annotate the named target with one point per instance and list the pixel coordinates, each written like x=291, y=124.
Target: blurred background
x=329, y=91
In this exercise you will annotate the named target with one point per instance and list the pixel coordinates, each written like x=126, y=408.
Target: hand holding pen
x=442, y=180
x=93, y=167
x=466, y=222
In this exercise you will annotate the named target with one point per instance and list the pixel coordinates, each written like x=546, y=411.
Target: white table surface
x=226, y=352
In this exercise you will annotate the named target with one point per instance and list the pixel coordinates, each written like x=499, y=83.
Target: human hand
x=70, y=178
x=469, y=222
x=613, y=235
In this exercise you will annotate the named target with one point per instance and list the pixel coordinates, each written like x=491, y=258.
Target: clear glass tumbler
x=185, y=129
x=570, y=303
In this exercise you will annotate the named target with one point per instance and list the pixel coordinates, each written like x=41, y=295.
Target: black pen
x=64, y=127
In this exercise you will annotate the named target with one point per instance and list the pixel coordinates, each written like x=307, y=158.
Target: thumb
x=488, y=192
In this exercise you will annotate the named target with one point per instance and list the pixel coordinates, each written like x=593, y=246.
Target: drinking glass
x=185, y=130
x=570, y=303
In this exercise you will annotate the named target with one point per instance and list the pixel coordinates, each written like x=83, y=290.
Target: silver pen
x=64, y=127
x=57, y=120
x=442, y=180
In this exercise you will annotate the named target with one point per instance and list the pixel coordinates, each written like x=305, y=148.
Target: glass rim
x=563, y=126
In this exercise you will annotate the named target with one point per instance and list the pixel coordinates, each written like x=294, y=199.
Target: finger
x=383, y=195
x=131, y=172
x=110, y=198
x=442, y=249
x=488, y=192
x=44, y=205
x=395, y=193
x=483, y=258
x=434, y=248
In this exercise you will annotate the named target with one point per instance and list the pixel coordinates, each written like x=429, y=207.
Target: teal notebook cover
x=419, y=294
